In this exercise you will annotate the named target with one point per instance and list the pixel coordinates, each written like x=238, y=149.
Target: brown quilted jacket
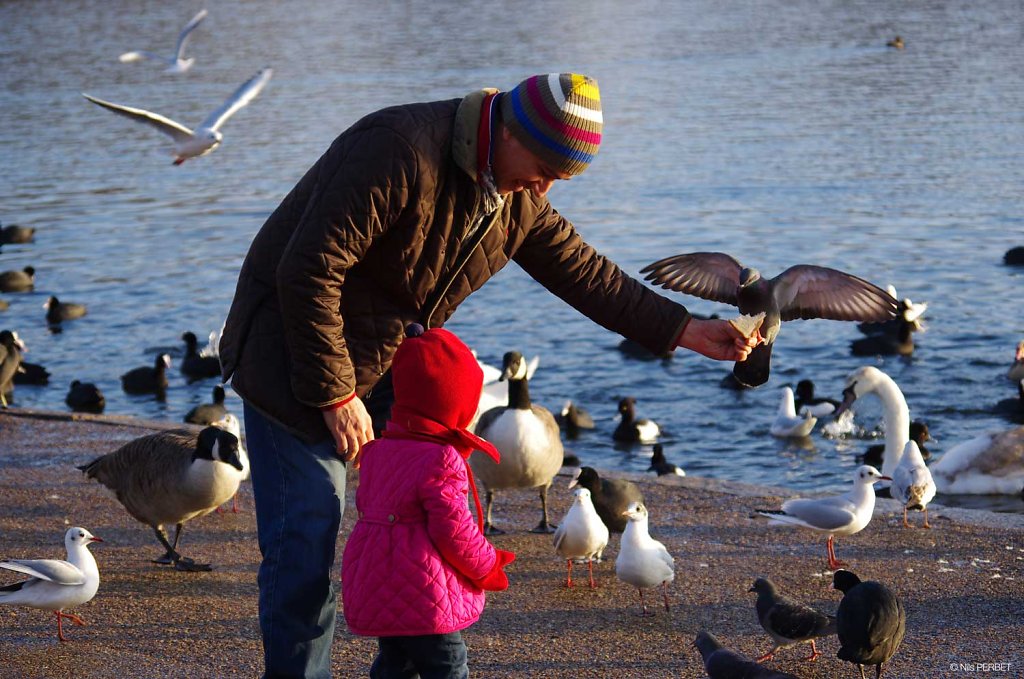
x=356, y=250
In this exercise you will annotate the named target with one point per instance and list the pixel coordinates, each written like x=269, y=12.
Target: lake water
x=781, y=132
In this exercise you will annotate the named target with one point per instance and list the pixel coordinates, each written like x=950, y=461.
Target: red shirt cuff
x=339, y=404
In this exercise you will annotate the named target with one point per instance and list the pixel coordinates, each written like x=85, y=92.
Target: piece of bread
x=746, y=324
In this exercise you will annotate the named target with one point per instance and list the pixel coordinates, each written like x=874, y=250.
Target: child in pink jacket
x=416, y=565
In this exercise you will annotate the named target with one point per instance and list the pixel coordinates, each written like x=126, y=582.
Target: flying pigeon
x=801, y=291
x=205, y=138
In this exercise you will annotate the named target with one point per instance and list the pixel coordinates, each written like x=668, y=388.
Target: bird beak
x=885, y=478
x=849, y=396
x=95, y=539
x=572, y=484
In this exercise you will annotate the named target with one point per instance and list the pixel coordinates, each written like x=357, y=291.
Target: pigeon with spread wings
x=801, y=291
x=205, y=138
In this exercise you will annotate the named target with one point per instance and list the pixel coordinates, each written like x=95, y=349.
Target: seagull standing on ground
x=205, y=138
x=55, y=585
x=176, y=63
x=801, y=291
x=581, y=535
x=844, y=514
x=788, y=622
x=912, y=483
x=642, y=560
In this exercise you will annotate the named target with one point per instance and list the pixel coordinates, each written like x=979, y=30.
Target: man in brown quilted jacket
x=409, y=211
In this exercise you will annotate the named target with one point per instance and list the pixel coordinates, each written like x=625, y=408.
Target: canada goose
x=787, y=424
x=208, y=413
x=171, y=477
x=18, y=281
x=633, y=429
x=528, y=439
x=12, y=233
x=643, y=561
x=610, y=497
x=85, y=397
x=57, y=311
x=146, y=380
x=195, y=365
x=11, y=347
x=231, y=424
x=55, y=584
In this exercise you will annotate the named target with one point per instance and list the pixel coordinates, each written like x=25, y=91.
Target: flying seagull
x=177, y=63
x=205, y=138
x=801, y=291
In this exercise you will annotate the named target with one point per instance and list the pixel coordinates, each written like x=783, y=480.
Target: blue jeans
x=432, y=656
x=300, y=495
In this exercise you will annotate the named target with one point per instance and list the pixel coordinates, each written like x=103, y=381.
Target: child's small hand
x=496, y=580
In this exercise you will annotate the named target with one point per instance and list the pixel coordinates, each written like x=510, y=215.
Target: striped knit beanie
x=557, y=117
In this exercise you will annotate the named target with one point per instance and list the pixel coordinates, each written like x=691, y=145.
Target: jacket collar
x=467, y=126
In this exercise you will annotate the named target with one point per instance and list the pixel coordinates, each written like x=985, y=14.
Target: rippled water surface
x=780, y=132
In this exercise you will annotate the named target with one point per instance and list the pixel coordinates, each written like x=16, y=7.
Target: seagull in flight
x=177, y=63
x=205, y=138
x=801, y=291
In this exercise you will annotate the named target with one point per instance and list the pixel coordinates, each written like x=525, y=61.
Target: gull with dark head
x=801, y=291
x=176, y=63
x=205, y=138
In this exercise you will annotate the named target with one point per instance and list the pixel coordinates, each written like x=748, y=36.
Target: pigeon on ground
x=611, y=497
x=662, y=466
x=581, y=534
x=55, y=585
x=722, y=663
x=643, y=561
x=912, y=483
x=870, y=621
x=788, y=622
x=844, y=514
x=177, y=63
x=172, y=477
x=205, y=138
x=801, y=291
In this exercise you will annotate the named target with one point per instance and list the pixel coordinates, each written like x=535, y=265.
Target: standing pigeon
x=611, y=497
x=788, y=622
x=844, y=514
x=870, y=621
x=801, y=291
x=643, y=561
x=912, y=483
x=722, y=663
x=581, y=535
x=55, y=585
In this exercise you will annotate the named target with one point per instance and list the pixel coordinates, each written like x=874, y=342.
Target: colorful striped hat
x=557, y=117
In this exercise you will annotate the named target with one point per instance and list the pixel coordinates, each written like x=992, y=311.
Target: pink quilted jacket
x=408, y=564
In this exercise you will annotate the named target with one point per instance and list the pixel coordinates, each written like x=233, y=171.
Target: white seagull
x=581, y=535
x=55, y=585
x=205, y=138
x=912, y=483
x=642, y=560
x=787, y=424
x=177, y=63
x=844, y=514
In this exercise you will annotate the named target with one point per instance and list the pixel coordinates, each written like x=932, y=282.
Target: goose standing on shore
x=172, y=477
x=528, y=439
x=55, y=585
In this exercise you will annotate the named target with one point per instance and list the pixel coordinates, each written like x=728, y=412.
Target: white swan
x=787, y=424
x=871, y=380
x=992, y=464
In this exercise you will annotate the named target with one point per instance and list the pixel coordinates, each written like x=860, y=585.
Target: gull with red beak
x=844, y=514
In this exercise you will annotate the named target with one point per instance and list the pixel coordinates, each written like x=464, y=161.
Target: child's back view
x=416, y=563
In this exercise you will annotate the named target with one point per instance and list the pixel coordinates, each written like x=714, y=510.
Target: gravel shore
x=962, y=582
